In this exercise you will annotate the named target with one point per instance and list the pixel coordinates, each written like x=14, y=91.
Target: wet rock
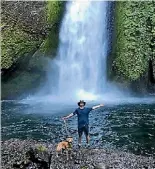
x=40, y=154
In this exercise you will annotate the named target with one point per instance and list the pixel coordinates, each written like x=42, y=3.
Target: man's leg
x=80, y=131
x=86, y=131
x=87, y=139
x=79, y=140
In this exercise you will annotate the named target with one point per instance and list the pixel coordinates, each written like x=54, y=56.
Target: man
x=83, y=119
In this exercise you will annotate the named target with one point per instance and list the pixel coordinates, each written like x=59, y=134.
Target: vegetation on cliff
x=29, y=30
x=54, y=14
x=24, y=32
x=20, y=34
x=16, y=43
x=135, y=38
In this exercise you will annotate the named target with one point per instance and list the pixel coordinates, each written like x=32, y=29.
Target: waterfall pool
x=129, y=127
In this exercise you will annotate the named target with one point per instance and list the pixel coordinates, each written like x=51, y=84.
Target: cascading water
x=81, y=60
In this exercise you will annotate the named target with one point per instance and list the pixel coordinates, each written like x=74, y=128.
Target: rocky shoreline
x=14, y=152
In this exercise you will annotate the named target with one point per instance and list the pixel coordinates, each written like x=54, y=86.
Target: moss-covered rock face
x=135, y=39
x=30, y=29
x=54, y=11
x=15, y=44
x=20, y=30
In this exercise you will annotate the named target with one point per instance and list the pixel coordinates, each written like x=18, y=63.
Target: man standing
x=83, y=119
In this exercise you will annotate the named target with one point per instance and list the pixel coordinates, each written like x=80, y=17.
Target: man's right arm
x=69, y=116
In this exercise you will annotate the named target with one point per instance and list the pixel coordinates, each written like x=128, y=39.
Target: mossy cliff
x=134, y=44
x=29, y=30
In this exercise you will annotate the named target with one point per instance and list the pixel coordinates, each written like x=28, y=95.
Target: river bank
x=14, y=151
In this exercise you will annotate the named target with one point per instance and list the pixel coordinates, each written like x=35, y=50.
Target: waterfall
x=79, y=71
x=82, y=54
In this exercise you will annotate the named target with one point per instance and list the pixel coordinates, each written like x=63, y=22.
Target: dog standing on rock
x=64, y=146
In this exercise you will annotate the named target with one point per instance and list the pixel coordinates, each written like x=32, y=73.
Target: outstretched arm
x=98, y=106
x=67, y=117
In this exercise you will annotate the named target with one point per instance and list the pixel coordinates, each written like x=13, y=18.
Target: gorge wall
x=29, y=32
x=134, y=45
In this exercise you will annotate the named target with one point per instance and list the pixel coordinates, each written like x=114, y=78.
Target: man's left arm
x=98, y=106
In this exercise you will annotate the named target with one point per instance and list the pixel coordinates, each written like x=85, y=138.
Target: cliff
x=26, y=30
x=134, y=45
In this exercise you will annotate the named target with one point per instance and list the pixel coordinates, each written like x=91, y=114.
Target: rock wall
x=134, y=44
x=29, y=29
x=23, y=29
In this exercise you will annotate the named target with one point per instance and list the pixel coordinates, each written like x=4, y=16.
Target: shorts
x=83, y=129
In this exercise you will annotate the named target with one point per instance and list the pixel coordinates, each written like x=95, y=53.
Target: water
x=129, y=127
x=79, y=70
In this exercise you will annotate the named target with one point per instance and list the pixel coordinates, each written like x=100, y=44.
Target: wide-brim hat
x=81, y=101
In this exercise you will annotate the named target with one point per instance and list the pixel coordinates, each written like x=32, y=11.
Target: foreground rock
x=14, y=151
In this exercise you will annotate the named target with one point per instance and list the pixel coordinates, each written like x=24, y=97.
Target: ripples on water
x=129, y=127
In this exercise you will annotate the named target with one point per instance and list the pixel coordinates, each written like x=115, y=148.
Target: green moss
x=133, y=38
x=54, y=11
x=15, y=44
x=41, y=148
x=51, y=42
x=54, y=15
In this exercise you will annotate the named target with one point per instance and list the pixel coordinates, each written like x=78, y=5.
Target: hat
x=81, y=101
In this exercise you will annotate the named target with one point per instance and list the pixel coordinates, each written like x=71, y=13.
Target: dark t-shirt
x=83, y=116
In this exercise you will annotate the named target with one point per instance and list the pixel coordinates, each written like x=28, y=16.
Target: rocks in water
x=28, y=154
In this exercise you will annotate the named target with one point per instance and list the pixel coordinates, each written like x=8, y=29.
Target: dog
x=64, y=146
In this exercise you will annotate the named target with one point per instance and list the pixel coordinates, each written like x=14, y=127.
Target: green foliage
x=15, y=43
x=135, y=29
x=50, y=44
x=41, y=148
x=54, y=15
x=54, y=11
